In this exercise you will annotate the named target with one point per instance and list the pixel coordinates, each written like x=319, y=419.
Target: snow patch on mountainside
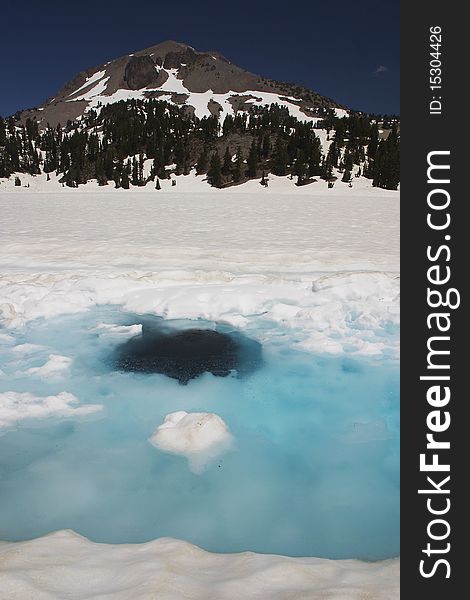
x=96, y=90
x=267, y=98
x=173, y=84
x=89, y=81
x=97, y=97
x=341, y=113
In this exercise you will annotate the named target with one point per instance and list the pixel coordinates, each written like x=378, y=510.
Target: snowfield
x=243, y=229
x=322, y=262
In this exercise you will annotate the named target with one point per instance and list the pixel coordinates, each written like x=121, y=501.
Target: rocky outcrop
x=140, y=72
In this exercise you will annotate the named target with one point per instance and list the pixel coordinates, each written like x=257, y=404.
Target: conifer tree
x=386, y=165
x=141, y=170
x=125, y=176
x=238, y=167
x=266, y=147
x=252, y=160
x=180, y=157
x=135, y=171
x=202, y=162
x=279, y=164
x=214, y=174
x=374, y=141
x=227, y=164
x=227, y=125
x=300, y=168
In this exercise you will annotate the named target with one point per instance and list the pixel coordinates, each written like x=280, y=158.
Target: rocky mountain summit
x=206, y=83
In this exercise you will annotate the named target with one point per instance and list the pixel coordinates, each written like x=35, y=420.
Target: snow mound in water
x=112, y=329
x=200, y=437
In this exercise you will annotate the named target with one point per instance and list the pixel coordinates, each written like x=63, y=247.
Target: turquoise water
x=315, y=470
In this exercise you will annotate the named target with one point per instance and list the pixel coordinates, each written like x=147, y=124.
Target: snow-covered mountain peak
x=206, y=82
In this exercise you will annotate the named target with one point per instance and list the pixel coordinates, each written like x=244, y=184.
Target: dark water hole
x=186, y=354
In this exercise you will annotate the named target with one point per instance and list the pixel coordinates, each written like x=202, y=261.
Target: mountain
x=171, y=110
x=205, y=82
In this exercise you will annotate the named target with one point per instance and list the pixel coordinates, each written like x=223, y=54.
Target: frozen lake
x=313, y=470
x=297, y=455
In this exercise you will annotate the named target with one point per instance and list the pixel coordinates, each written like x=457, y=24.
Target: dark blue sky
x=348, y=51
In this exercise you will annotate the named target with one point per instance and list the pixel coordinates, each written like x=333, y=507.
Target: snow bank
x=349, y=312
x=200, y=437
x=65, y=565
x=21, y=406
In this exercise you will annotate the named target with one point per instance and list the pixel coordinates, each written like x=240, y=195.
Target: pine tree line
x=113, y=144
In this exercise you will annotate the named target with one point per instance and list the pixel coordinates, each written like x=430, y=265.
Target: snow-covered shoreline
x=65, y=565
x=322, y=262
